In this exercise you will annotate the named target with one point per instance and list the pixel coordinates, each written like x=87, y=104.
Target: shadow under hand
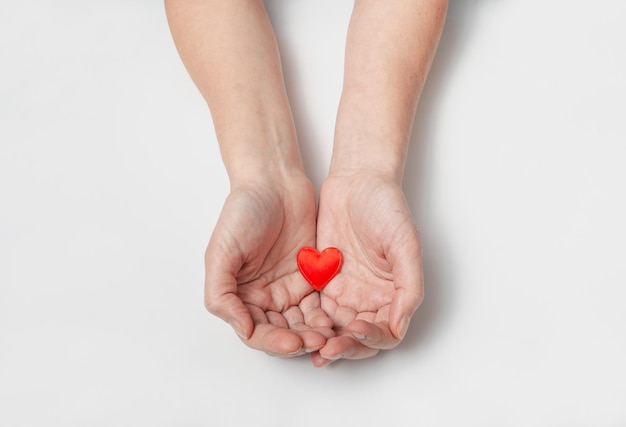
x=418, y=178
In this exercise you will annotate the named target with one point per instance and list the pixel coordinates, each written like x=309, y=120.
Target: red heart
x=319, y=268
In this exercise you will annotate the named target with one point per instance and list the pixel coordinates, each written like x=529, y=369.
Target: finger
x=277, y=319
x=373, y=335
x=318, y=361
x=313, y=339
x=259, y=317
x=409, y=283
x=276, y=341
x=220, y=291
x=342, y=316
x=314, y=316
x=232, y=310
x=272, y=334
x=346, y=347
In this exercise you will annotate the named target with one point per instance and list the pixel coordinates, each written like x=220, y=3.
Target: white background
x=111, y=182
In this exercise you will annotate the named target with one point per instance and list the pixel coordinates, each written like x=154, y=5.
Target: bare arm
x=389, y=51
x=251, y=278
x=362, y=208
x=231, y=53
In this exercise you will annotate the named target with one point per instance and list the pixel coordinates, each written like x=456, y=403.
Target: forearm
x=389, y=50
x=231, y=53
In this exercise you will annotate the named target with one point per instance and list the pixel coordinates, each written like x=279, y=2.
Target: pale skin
x=252, y=280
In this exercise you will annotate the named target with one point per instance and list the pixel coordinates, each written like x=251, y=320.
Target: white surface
x=110, y=183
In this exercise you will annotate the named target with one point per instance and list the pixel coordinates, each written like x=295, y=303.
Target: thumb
x=220, y=292
x=229, y=307
x=408, y=279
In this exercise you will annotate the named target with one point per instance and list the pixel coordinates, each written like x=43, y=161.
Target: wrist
x=356, y=151
x=349, y=162
x=254, y=156
x=272, y=172
x=372, y=135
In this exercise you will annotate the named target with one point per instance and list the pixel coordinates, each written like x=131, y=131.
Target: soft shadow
x=438, y=265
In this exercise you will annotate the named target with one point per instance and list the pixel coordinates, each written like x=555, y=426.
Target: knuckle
x=210, y=304
x=419, y=297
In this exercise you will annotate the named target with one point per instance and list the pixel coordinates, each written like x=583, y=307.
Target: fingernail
x=324, y=363
x=359, y=336
x=333, y=358
x=403, y=326
x=239, y=332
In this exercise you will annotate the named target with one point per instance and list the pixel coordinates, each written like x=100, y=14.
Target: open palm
x=372, y=299
x=252, y=280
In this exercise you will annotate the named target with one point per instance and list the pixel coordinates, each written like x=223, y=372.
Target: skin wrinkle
x=382, y=271
x=280, y=293
x=258, y=315
x=294, y=316
x=212, y=297
x=277, y=319
x=265, y=261
x=255, y=292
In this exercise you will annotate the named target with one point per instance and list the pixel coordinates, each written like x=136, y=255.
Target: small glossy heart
x=318, y=268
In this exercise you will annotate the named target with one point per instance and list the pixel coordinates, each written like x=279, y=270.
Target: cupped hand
x=372, y=299
x=252, y=280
